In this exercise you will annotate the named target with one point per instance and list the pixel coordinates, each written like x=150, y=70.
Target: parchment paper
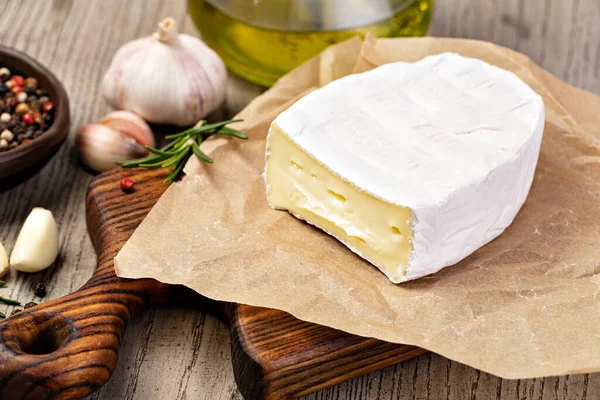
x=525, y=305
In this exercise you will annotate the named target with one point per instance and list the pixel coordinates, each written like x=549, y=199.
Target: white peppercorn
x=7, y=135
x=5, y=117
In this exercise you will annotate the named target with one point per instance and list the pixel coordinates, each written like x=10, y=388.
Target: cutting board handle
x=68, y=347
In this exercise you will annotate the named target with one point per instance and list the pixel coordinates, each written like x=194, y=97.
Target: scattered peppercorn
x=21, y=109
x=126, y=184
x=30, y=304
x=47, y=106
x=28, y=119
x=39, y=289
x=31, y=82
x=15, y=311
x=18, y=80
x=7, y=135
x=26, y=111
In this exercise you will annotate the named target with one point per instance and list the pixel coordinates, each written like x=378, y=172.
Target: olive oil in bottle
x=261, y=40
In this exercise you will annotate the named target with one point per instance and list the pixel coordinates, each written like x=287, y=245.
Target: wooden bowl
x=40, y=149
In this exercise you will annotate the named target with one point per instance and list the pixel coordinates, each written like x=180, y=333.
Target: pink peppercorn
x=28, y=119
x=47, y=106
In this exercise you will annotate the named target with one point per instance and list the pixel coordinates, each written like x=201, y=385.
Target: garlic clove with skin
x=3, y=261
x=131, y=125
x=102, y=148
x=37, y=245
x=166, y=78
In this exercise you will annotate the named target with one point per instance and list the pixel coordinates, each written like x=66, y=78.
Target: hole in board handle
x=43, y=332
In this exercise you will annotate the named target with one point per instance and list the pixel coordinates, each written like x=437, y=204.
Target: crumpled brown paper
x=525, y=305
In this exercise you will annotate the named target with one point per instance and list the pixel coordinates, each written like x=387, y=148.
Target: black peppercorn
x=3, y=89
x=15, y=311
x=39, y=288
x=29, y=90
x=19, y=129
x=30, y=304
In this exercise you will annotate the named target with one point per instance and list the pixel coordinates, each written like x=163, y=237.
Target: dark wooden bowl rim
x=26, y=155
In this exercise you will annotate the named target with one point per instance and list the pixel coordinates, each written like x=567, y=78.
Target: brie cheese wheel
x=413, y=166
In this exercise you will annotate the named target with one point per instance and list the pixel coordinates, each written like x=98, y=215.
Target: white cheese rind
x=454, y=139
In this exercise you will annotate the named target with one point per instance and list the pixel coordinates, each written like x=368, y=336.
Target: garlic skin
x=131, y=125
x=102, y=148
x=166, y=78
x=37, y=245
x=3, y=261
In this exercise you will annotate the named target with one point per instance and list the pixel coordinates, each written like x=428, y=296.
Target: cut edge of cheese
x=378, y=231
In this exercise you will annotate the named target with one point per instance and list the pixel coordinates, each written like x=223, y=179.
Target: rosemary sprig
x=10, y=301
x=175, y=154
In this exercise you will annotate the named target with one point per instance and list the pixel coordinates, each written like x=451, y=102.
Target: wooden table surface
x=173, y=353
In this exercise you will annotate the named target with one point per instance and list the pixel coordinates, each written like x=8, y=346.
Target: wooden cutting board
x=67, y=348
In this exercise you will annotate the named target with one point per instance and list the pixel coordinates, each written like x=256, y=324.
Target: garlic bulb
x=102, y=148
x=37, y=245
x=167, y=78
x=120, y=136
x=3, y=261
x=131, y=125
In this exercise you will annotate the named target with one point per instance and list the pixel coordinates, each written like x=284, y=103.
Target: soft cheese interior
x=413, y=166
x=377, y=230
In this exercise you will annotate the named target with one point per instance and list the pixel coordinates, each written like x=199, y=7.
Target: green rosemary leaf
x=175, y=172
x=179, y=144
x=10, y=301
x=231, y=132
x=137, y=162
x=212, y=128
x=187, y=131
x=170, y=145
x=161, y=152
x=175, y=159
x=200, y=154
x=2, y=315
x=153, y=165
x=2, y=283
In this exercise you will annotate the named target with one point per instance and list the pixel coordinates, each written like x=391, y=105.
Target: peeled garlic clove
x=166, y=78
x=3, y=261
x=37, y=245
x=102, y=148
x=131, y=125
